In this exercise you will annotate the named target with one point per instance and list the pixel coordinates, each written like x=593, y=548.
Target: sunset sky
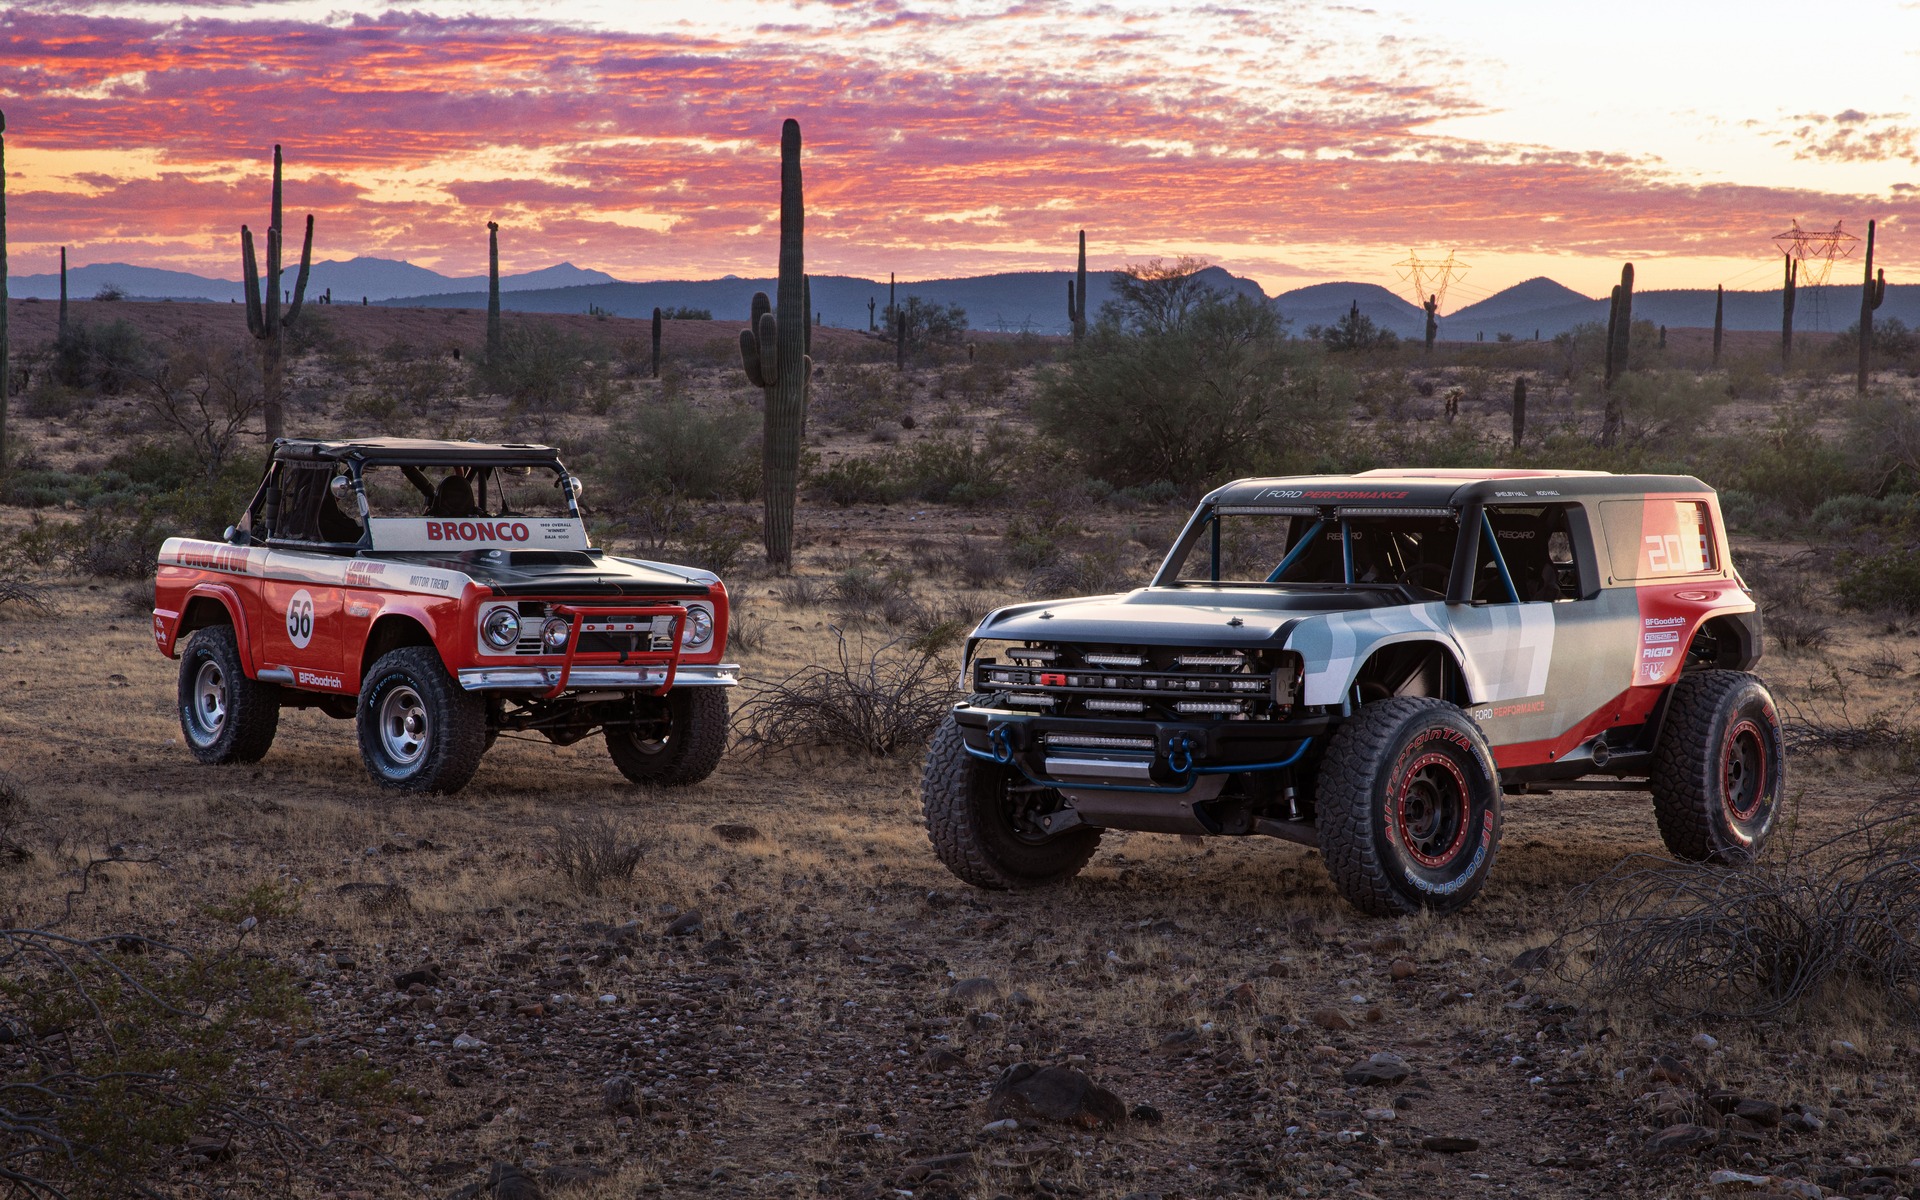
x=1292, y=142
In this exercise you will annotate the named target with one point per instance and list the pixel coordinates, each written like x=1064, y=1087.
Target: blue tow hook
x=1002, y=743
x=1180, y=754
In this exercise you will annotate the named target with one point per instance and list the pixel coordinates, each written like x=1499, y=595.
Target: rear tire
x=689, y=750
x=419, y=730
x=971, y=821
x=224, y=716
x=1407, y=806
x=1720, y=767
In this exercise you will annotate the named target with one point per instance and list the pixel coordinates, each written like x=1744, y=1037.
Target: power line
x=1430, y=277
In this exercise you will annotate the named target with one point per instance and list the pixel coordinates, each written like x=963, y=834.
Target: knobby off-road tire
x=695, y=739
x=224, y=716
x=1408, y=808
x=1720, y=768
x=419, y=730
x=970, y=821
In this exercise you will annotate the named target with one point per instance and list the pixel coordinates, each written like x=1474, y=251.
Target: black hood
x=1235, y=617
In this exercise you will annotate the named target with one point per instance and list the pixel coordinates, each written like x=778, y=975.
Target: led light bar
x=1006, y=677
x=1099, y=704
x=1398, y=512
x=1266, y=510
x=1030, y=654
x=1116, y=660
x=1212, y=660
x=1094, y=741
x=1029, y=699
x=1209, y=706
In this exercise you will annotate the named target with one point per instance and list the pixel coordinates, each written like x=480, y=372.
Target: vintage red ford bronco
x=439, y=593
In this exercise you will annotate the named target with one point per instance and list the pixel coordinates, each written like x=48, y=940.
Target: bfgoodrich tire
x=982, y=831
x=419, y=731
x=1408, y=808
x=684, y=751
x=224, y=716
x=1720, y=767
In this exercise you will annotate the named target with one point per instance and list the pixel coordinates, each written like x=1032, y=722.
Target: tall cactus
x=264, y=320
x=1719, y=319
x=1519, y=409
x=1619, y=348
x=1873, y=293
x=1623, y=333
x=1077, y=293
x=1432, y=307
x=6, y=368
x=493, y=292
x=1613, y=324
x=773, y=349
x=1786, y=311
x=899, y=340
x=62, y=330
x=656, y=342
x=870, y=325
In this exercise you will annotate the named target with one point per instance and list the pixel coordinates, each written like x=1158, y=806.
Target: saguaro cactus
x=1077, y=293
x=264, y=319
x=1519, y=409
x=63, y=294
x=1719, y=319
x=899, y=340
x=493, y=291
x=656, y=341
x=774, y=348
x=6, y=368
x=1873, y=293
x=870, y=325
x=1432, y=306
x=1619, y=346
x=1787, y=289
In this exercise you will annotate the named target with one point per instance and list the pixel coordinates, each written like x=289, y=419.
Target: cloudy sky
x=1291, y=141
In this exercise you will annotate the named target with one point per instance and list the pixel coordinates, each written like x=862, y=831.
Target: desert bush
x=1889, y=579
x=746, y=631
x=856, y=395
x=1762, y=938
x=1883, y=432
x=675, y=448
x=1105, y=567
x=1354, y=331
x=801, y=591
x=206, y=389
x=1666, y=406
x=850, y=481
x=879, y=701
x=541, y=366
x=22, y=595
x=861, y=593
x=106, y=358
x=597, y=854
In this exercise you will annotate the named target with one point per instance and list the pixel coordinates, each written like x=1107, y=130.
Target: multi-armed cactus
x=1432, y=307
x=1786, y=311
x=1077, y=293
x=773, y=348
x=656, y=341
x=6, y=370
x=1719, y=319
x=1873, y=293
x=264, y=319
x=493, y=291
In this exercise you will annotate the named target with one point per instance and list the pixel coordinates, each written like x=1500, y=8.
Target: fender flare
x=229, y=599
x=1332, y=684
x=397, y=611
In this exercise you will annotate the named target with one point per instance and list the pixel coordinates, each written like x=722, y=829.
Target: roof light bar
x=1398, y=512
x=1266, y=510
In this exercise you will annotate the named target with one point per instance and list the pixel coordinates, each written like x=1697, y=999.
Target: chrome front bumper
x=530, y=679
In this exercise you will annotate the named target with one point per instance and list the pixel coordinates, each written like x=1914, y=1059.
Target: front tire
x=1408, y=808
x=1720, y=767
x=419, y=731
x=974, y=822
x=224, y=716
x=682, y=753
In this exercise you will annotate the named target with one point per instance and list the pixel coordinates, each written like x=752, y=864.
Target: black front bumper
x=1179, y=749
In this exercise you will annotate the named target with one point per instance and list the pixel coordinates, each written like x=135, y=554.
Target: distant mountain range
x=1022, y=300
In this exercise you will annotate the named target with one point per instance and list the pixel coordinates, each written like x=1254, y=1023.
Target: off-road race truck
x=1364, y=664
x=439, y=594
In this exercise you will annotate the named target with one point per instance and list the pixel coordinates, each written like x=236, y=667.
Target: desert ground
x=789, y=996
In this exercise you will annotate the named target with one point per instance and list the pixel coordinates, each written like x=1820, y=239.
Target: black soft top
x=1440, y=488
x=419, y=452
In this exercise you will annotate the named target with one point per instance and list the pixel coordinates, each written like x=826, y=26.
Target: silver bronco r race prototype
x=1365, y=664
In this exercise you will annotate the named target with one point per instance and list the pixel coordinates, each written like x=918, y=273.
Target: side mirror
x=235, y=537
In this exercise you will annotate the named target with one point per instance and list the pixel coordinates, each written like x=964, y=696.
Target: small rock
x=1063, y=1094
x=1003, y=1125
x=616, y=1095
x=1843, y=1049
x=1802, y=1122
x=1379, y=1114
x=1706, y=1042
x=536, y=1009
x=428, y=976
x=975, y=992
x=466, y=1041
x=376, y=897
x=686, y=924
x=508, y=1182
x=1736, y=1179
x=213, y=1149
x=1146, y=1114
x=737, y=833
x=1443, y=1144
x=1402, y=968
x=1330, y=1018
x=1763, y=1113
x=1532, y=960
x=1667, y=1069
x=1382, y=1070
x=1240, y=996
x=1387, y=944
x=1681, y=1138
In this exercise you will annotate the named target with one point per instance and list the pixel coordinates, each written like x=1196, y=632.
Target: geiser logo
x=478, y=531
x=310, y=679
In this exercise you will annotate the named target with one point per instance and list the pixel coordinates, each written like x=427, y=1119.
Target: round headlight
x=501, y=629
x=697, y=629
x=554, y=634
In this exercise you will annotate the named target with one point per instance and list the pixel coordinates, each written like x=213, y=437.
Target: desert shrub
x=952, y=470
x=1889, y=579
x=873, y=700
x=1105, y=567
x=1753, y=377
x=1581, y=350
x=205, y=389
x=106, y=358
x=1758, y=939
x=541, y=366
x=1844, y=514
x=850, y=481
x=22, y=595
x=1666, y=406
x=594, y=855
x=675, y=448
x=978, y=562
x=862, y=593
x=1883, y=432
x=746, y=631
x=856, y=395
x=1788, y=467
x=801, y=591
x=382, y=408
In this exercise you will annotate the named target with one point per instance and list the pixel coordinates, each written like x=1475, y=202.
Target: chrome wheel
x=404, y=727
x=209, y=701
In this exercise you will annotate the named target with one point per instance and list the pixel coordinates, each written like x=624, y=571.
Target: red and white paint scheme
x=483, y=610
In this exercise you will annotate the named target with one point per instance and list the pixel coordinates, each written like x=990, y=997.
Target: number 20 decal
x=300, y=619
x=1664, y=554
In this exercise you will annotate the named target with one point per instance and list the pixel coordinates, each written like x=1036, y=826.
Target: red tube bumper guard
x=619, y=620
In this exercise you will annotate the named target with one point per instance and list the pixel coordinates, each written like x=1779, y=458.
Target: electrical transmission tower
x=1816, y=252
x=1430, y=276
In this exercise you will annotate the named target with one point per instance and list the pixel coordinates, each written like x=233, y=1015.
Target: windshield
x=1259, y=548
x=399, y=491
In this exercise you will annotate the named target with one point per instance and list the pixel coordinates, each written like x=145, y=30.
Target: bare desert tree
x=208, y=390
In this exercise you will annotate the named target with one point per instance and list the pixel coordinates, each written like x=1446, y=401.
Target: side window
x=1658, y=539
x=1536, y=547
x=310, y=511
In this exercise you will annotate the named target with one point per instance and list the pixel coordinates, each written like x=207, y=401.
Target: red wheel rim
x=1743, y=771
x=1430, y=807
